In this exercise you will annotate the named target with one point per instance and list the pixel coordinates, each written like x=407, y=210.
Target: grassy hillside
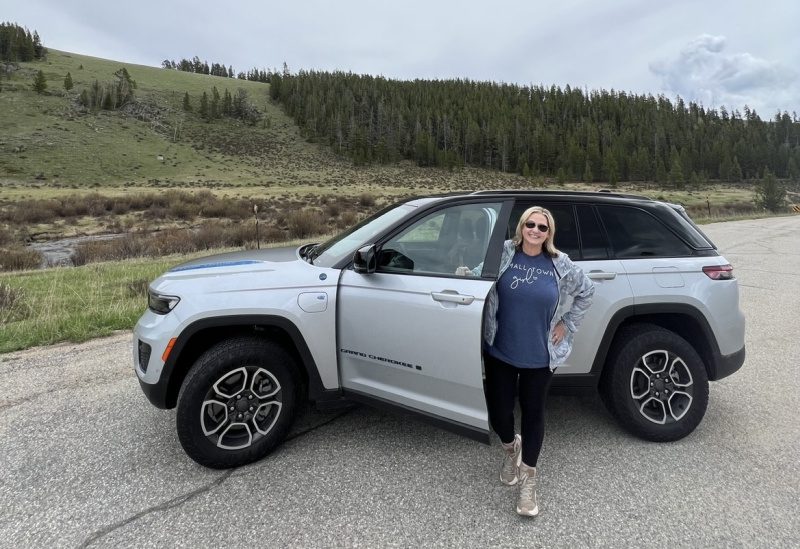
x=48, y=144
x=49, y=137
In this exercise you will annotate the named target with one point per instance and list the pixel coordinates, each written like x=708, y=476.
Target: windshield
x=344, y=245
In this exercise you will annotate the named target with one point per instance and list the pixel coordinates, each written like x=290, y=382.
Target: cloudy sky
x=728, y=53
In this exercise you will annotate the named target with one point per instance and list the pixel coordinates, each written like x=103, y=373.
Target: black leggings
x=501, y=392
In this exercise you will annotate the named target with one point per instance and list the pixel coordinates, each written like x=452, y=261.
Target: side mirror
x=365, y=260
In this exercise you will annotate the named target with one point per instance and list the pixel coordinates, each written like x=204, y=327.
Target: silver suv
x=377, y=315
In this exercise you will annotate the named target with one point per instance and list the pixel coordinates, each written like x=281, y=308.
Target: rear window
x=578, y=230
x=633, y=232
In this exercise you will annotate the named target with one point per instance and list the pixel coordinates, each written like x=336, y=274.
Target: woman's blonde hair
x=548, y=246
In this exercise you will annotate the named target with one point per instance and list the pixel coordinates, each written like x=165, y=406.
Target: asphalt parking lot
x=87, y=461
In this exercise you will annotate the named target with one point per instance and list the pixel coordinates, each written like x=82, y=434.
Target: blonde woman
x=531, y=316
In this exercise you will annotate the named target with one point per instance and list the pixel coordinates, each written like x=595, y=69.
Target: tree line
x=17, y=44
x=199, y=67
x=218, y=69
x=229, y=105
x=567, y=133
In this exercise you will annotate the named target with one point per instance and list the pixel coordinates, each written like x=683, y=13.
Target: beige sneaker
x=511, y=460
x=527, y=504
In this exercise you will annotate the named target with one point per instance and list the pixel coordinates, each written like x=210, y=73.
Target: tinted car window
x=566, y=238
x=440, y=243
x=593, y=241
x=635, y=233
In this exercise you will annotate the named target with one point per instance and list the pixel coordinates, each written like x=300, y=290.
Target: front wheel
x=656, y=385
x=237, y=403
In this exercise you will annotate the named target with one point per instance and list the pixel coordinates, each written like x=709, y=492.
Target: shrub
x=12, y=304
x=366, y=200
x=348, y=219
x=303, y=223
x=333, y=209
x=272, y=234
x=104, y=250
x=17, y=258
x=169, y=241
x=6, y=237
x=210, y=235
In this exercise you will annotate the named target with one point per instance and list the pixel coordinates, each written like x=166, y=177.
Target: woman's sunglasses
x=542, y=228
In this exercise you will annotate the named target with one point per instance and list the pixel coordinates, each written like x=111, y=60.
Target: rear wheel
x=237, y=403
x=655, y=383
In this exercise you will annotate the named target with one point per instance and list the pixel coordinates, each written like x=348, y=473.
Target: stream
x=57, y=253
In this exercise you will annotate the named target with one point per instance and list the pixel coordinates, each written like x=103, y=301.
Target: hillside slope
x=49, y=144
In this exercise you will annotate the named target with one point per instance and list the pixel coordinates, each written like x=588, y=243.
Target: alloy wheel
x=241, y=407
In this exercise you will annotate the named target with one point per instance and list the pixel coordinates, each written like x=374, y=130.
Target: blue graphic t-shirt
x=527, y=296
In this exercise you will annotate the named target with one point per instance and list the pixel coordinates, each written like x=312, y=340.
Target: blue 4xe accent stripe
x=212, y=265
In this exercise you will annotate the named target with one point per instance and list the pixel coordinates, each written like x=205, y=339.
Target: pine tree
x=661, y=171
x=794, y=169
x=770, y=194
x=227, y=104
x=610, y=169
x=587, y=173
x=676, y=172
x=214, y=111
x=204, y=106
x=736, y=171
x=187, y=104
x=38, y=49
x=725, y=168
x=108, y=101
x=39, y=82
x=68, y=82
x=124, y=88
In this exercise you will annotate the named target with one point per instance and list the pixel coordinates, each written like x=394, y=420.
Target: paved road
x=86, y=461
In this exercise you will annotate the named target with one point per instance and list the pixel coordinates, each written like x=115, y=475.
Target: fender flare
x=177, y=365
x=710, y=352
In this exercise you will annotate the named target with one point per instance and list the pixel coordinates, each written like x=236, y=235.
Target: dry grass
x=17, y=258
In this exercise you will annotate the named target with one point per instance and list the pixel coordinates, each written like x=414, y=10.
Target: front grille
x=144, y=355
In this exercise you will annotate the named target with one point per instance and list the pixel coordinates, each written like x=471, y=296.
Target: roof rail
x=604, y=192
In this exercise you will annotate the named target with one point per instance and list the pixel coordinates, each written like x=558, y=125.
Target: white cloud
x=705, y=73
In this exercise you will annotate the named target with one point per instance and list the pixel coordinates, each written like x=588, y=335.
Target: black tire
x=643, y=400
x=237, y=402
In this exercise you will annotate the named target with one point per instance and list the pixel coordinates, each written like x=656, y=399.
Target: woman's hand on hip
x=558, y=334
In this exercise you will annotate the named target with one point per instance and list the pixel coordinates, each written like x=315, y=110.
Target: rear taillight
x=719, y=272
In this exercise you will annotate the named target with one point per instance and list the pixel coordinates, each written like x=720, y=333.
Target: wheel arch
x=201, y=335
x=682, y=319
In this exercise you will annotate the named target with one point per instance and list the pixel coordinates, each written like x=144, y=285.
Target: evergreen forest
x=567, y=133
x=18, y=44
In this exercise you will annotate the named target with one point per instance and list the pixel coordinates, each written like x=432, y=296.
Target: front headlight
x=161, y=304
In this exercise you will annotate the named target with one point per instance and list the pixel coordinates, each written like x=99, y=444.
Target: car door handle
x=601, y=275
x=452, y=297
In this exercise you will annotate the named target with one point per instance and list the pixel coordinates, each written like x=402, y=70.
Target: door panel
x=410, y=334
x=612, y=291
x=415, y=341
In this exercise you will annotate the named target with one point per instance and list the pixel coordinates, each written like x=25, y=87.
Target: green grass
x=46, y=136
x=77, y=304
